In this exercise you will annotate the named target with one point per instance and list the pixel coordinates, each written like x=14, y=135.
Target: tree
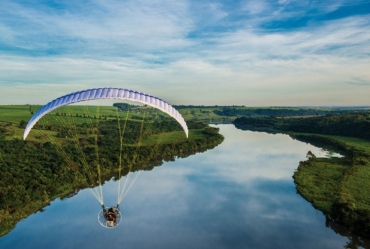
x=310, y=156
x=22, y=124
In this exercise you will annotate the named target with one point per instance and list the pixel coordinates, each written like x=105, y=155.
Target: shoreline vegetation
x=337, y=186
x=49, y=165
x=33, y=172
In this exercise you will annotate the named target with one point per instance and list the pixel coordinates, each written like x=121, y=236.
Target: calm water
x=239, y=195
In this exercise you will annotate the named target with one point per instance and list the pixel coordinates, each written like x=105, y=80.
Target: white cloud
x=255, y=6
x=122, y=26
x=175, y=46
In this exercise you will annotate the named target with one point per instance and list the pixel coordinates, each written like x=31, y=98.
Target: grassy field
x=15, y=113
x=319, y=183
x=206, y=114
x=77, y=113
x=339, y=186
x=326, y=183
x=358, y=143
x=12, y=115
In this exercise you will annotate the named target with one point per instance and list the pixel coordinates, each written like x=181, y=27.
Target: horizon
x=201, y=105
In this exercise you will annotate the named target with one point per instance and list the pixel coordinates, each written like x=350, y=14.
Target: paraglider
x=108, y=217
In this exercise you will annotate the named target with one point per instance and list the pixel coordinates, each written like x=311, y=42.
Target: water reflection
x=238, y=195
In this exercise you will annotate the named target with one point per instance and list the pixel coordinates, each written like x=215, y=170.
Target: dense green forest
x=351, y=125
x=337, y=186
x=62, y=157
x=279, y=111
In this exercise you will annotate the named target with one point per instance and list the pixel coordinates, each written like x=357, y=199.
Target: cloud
x=255, y=6
x=106, y=26
x=359, y=82
x=196, y=50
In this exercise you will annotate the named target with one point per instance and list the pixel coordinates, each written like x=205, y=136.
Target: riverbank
x=336, y=186
x=59, y=159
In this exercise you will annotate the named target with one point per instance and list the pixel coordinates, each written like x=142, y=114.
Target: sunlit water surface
x=239, y=195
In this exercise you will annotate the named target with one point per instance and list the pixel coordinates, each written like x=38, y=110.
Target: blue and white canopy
x=106, y=93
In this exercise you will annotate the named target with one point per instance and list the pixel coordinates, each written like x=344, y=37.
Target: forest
x=226, y=114
x=281, y=111
x=338, y=186
x=351, y=124
x=49, y=165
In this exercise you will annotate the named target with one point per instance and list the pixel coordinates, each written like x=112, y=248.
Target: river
x=238, y=195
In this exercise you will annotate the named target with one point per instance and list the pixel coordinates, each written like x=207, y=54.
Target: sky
x=247, y=52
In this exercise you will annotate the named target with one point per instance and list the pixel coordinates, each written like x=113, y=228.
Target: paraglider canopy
x=106, y=93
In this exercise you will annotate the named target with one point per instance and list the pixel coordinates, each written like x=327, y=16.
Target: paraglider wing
x=106, y=93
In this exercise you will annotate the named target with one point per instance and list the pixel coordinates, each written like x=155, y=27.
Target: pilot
x=110, y=215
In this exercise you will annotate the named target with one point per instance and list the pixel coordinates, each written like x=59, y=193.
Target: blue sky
x=251, y=52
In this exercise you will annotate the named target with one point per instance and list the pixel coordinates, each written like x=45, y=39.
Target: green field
x=204, y=113
x=15, y=113
x=358, y=143
x=340, y=186
x=11, y=116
